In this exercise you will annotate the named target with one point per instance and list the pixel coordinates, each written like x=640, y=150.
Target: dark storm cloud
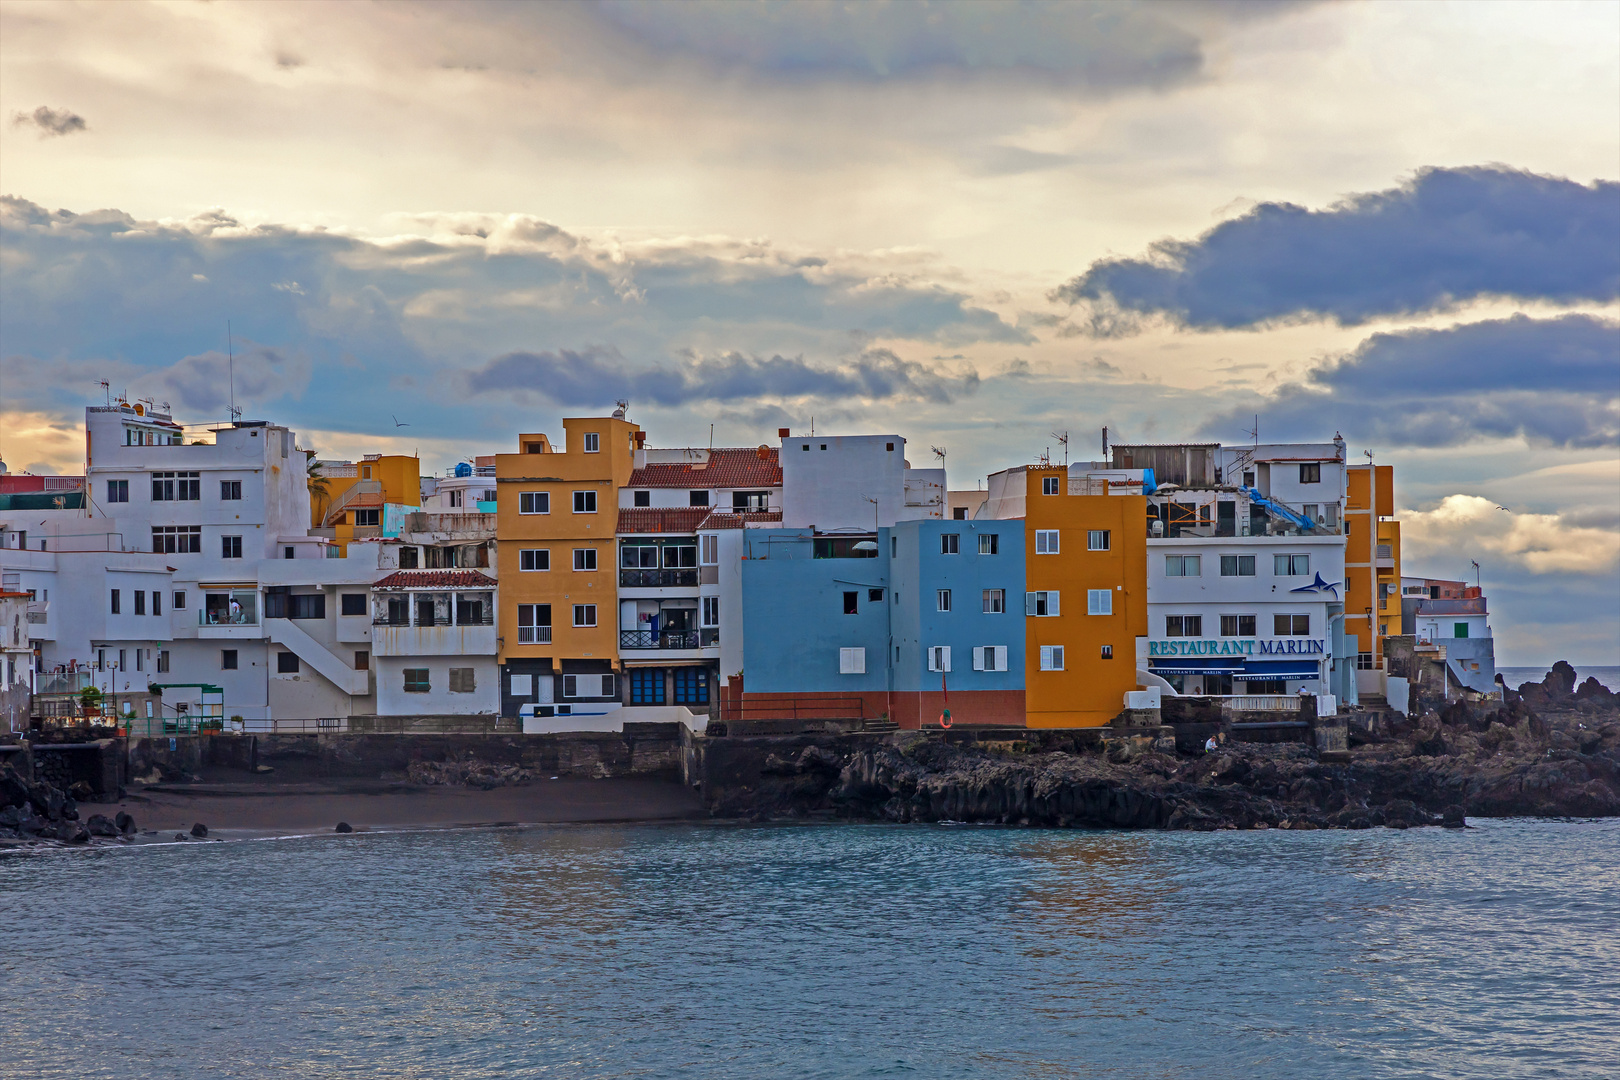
x=1451, y=235
x=597, y=377
x=1551, y=381
x=50, y=122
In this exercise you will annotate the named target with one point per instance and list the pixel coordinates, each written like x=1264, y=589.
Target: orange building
x=1372, y=569
x=557, y=511
x=1086, y=604
x=346, y=498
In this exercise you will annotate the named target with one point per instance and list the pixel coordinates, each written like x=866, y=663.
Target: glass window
x=365, y=519
x=989, y=543
x=1183, y=566
x=1237, y=566
x=1291, y=625
x=1044, y=604
x=118, y=491
x=179, y=600
x=1237, y=626
x=1051, y=658
x=354, y=603
x=227, y=660
x=230, y=490
x=117, y=602
x=584, y=614
x=680, y=556
x=994, y=601
x=691, y=686
x=711, y=549
x=534, y=624
x=534, y=502
x=1291, y=565
x=939, y=658
x=230, y=547
x=584, y=558
x=1310, y=472
x=1051, y=485
x=1097, y=539
x=534, y=559
x=874, y=595
x=286, y=663
x=416, y=680
x=711, y=611
x=1183, y=626
x=140, y=602
x=697, y=498
x=1046, y=541
x=638, y=557
x=950, y=543
x=944, y=598
x=593, y=445
x=641, y=498
x=850, y=600
x=584, y=502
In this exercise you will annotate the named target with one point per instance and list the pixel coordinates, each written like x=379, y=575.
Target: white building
x=862, y=482
x=433, y=639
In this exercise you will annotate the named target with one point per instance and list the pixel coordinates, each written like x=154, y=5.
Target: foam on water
x=836, y=951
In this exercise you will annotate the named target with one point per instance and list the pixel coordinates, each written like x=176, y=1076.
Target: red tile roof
x=681, y=520
x=436, y=579
x=726, y=468
x=721, y=520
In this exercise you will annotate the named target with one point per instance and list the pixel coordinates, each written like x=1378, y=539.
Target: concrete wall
x=392, y=700
x=827, y=480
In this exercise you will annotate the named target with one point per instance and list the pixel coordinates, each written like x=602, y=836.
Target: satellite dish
x=866, y=545
x=140, y=410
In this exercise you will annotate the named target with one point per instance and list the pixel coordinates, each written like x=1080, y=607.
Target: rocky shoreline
x=1548, y=751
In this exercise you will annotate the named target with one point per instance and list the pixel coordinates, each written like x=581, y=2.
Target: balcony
x=653, y=579
x=439, y=639
x=670, y=639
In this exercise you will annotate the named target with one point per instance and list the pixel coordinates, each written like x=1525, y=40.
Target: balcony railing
x=384, y=619
x=669, y=639
x=534, y=635
x=644, y=579
x=244, y=617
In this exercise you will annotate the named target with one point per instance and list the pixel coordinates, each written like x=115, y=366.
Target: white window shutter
x=1029, y=603
x=1052, y=603
x=1000, y=657
x=978, y=658
x=852, y=661
x=944, y=658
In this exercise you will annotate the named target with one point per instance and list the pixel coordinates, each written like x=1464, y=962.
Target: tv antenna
x=107, y=386
x=1254, y=432
x=1369, y=455
x=1476, y=573
x=230, y=360
x=1063, y=440
x=939, y=452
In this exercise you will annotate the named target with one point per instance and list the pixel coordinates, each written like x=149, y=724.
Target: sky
x=982, y=226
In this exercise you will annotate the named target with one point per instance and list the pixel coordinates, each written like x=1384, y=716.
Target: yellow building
x=346, y=497
x=1372, y=569
x=556, y=516
x=1086, y=573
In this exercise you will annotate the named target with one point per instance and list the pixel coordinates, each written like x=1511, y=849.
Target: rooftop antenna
x=230, y=360
x=711, y=436
x=623, y=407
x=1369, y=456
x=1105, y=442
x=1254, y=432
x=939, y=452
x=1476, y=573
x=107, y=386
x=1063, y=440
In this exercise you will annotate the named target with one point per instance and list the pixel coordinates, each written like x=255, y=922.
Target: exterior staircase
x=323, y=660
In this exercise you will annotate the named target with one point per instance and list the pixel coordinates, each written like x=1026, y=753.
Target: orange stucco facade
x=1372, y=564
x=1099, y=650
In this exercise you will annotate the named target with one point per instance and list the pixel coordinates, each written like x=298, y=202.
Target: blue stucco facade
x=925, y=561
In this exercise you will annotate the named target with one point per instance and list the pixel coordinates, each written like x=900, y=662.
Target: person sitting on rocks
x=1209, y=745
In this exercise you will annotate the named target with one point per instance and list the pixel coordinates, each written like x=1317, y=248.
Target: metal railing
x=654, y=578
x=669, y=639
x=487, y=619
x=1261, y=702
x=534, y=635
x=227, y=618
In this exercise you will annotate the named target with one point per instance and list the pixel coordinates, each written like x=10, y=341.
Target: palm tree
x=319, y=487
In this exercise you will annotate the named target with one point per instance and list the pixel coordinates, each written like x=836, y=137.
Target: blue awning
x=1283, y=669
x=1191, y=665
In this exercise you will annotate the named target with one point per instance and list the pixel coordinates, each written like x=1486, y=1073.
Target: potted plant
x=90, y=701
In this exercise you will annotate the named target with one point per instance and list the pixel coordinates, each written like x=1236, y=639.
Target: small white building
x=833, y=482
x=433, y=638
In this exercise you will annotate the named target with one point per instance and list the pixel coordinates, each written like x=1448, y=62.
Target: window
x=711, y=549
x=365, y=519
x=874, y=595
x=230, y=490
x=462, y=680
x=1364, y=661
x=691, y=686
x=852, y=661
x=584, y=502
x=588, y=686
x=230, y=547
x=410, y=558
x=710, y=613
x=697, y=498
x=641, y=498
x=989, y=543
x=1041, y=603
x=950, y=543
x=117, y=603
x=939, y=658
x=353, y=603
x=163, y=661
x=177, y=539
x=534, y=502
x=1051, y=658
x=118, y=491
x=1291, y=565
x=1310, y=472
x=122, y=665
x=140, y=602
x=1291, y=625
x=416, y=680
x=1097, y=539
x=1237, y=566
x=139, y=655
x=522, y=685
x=959, y=513
x=993, y=601
x=179, y=601
x=1046, y=541
x=647, y=686
x=1237, y=626
x=943, y=599
x=1050, y=485
x=362, y=660
x=1183, y=626
x=638, y=556
x=534, y=624
x=1458, y=630
x=593, y=445
x=680, y=556
x=750, y=502
x=584, y=614
x=850, y=599
x=990, y=658
x=171, y=486
x=456, y=500
x=227, y=659
x=584, y=558
x=1099, y=601
x=469, y=612
x=1107, y=652
x=286, y=663
x=534, y=559
x=1183, y=566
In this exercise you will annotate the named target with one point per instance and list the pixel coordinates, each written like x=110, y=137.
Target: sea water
x=820, y=951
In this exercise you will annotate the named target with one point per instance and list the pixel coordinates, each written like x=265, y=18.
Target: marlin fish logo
x=1320, y=586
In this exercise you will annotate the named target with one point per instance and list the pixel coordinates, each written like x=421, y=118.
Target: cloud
x=596, y=377
x=1468, y=526
x=1551, y=381
x=50, y=122
x=1448, y=236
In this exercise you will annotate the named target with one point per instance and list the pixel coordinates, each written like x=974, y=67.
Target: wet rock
x=1452, y=817
x=71, y=832
x=180, y=836
x=1561, y=740
x=99, y=825
x=14, y=790
x=344, y=826
x=10, y=817
x=81, y=791
x=124, y=822
x=199, y=830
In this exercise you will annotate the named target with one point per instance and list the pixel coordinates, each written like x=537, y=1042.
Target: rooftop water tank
x=463, y=469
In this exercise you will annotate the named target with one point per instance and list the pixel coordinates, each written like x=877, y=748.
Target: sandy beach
x=259, y=809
